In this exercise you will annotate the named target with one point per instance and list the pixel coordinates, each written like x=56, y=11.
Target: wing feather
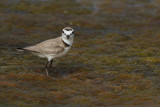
x=52, y=46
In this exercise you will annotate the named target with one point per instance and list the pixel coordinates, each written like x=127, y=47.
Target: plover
x=52, y=48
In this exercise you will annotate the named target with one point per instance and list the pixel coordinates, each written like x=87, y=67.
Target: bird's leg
x=46, y=67
x=51, y=63
x=50, y=66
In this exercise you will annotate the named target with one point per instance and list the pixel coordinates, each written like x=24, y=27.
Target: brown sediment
x=114, y=60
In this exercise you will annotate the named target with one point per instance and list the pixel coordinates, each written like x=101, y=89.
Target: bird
x=52, y=48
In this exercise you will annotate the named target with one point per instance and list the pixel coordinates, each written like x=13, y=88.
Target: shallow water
x=115, y=59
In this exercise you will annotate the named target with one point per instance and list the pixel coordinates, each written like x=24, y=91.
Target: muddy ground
x=114, y=61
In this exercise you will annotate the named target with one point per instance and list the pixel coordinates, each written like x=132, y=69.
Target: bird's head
x=68, y=33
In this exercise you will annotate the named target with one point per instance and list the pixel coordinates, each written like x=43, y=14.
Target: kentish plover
x=52, y=48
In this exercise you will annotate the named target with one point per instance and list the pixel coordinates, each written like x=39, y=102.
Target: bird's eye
x=62, y=31
x=73, y=32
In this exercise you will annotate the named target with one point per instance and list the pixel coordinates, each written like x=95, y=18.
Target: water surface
x=115, y=59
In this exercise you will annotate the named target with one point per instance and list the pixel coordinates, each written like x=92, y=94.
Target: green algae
x=50, y=7
x=114, y=60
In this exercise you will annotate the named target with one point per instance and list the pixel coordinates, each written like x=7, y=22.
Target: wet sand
x=114, y=61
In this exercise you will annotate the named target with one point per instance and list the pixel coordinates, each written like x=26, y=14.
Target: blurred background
x=114, y=61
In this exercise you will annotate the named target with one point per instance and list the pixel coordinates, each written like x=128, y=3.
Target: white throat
x=68, y=41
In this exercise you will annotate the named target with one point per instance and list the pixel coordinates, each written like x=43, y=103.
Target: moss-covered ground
x=114, y=61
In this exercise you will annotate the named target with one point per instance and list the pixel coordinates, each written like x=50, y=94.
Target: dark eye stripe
x=68, y=29
x=73, y=32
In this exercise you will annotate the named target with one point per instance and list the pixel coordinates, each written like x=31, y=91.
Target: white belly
x=63, y=53
x=51, y=56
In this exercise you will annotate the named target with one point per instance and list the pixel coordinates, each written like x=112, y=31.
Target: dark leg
x=46, y=67
x=50, y=65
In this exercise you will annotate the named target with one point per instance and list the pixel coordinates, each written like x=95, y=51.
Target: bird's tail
x=20, y=49
x=26, y=50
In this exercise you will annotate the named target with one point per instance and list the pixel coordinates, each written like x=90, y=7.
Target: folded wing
x=52, y=46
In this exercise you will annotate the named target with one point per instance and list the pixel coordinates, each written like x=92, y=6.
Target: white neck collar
x=68, y=41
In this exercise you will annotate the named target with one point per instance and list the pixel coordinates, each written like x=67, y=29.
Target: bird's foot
x=47, y=72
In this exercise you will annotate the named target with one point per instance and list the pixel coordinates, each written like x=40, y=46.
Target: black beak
x=68, y=36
